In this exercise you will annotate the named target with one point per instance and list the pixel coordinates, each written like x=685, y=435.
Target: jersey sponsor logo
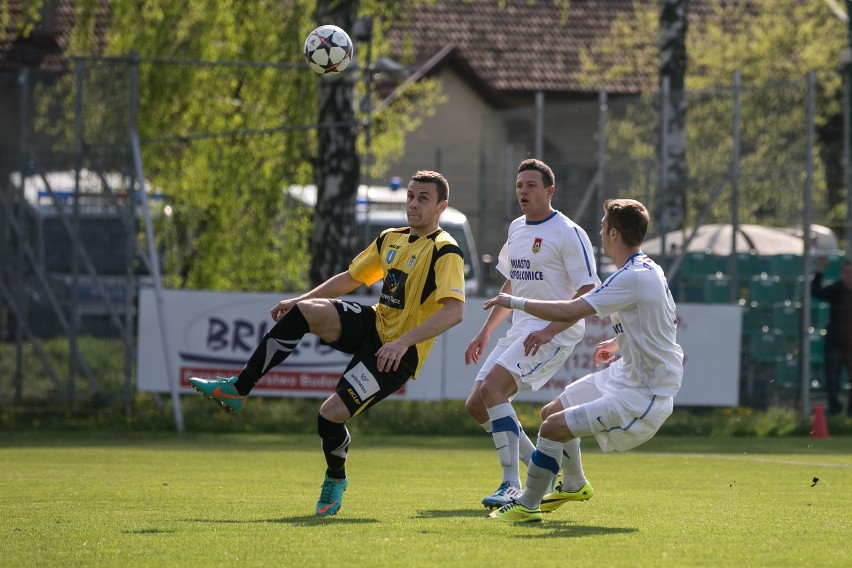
x=521, y=270
x=390, y=256
x=536, y=245
x=526, y=275
x=362, y=381
x=618, y=328
x=393, y=289
x=393, y=280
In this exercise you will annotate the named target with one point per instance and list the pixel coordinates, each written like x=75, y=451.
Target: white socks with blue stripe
x=505, y=430
x=544, y=466
x=525, y=445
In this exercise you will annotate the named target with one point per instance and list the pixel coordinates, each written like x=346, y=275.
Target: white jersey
x=547, y=260
x=644, y=319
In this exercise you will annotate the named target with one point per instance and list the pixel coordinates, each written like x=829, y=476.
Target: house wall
x=459, y=140
x=478, y=148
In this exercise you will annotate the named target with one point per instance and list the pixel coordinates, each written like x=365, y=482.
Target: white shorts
x=618, y=419
x=530, y=372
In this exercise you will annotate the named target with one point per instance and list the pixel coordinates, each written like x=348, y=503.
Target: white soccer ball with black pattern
x=328, y=50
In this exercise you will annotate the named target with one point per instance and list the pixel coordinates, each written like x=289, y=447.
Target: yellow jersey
x=417, y=273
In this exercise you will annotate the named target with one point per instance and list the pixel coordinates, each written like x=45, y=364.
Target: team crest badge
x=411, y=262
x=391, y=255
x=536, y=245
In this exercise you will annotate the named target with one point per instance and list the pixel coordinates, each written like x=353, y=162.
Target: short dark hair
x=547, y=176
x=441, y=183
x=630, y=217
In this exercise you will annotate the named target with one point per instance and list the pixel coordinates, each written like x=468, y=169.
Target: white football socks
x=573, y=478
x=544, y=466
x=505, y=431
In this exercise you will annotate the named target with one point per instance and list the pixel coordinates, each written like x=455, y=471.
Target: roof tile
x=521, y=47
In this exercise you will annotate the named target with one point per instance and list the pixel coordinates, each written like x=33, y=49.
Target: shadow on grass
x=565, y=529
x=148, y=531
x=447, y=514
x=302, y=521
x=546, y=529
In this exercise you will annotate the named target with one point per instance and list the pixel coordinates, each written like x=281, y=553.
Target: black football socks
x=275, y=346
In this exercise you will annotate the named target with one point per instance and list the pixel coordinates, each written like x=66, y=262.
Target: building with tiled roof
x=44, y=46
x=496, y=63
x=520, y=48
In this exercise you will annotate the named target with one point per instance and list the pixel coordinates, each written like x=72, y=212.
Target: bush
x=45, y=405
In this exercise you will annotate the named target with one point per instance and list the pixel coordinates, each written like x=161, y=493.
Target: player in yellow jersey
x=422, y=296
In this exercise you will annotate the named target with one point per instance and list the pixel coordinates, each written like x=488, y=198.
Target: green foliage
x=629, y=51
x=773, y=45
x=26, y=19
x=742, y=421
x=40, y=392
x=230, y=228
x=220, y=140
x=44, y=406
x=404, y=110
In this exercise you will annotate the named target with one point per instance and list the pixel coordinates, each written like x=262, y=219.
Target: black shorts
x=362, y=385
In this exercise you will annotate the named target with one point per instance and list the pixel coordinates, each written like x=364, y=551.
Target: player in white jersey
x=624, y=404
x=548, y=257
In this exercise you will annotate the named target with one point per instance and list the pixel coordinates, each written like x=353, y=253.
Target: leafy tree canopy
x=773, y=45
x=221, y=141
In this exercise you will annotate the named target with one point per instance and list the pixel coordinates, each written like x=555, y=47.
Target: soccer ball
x=328, y=50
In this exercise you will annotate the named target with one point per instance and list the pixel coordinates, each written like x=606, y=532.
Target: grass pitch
x=88, y=499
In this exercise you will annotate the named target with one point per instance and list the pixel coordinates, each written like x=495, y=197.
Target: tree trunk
x=672, y=199
x=337, y=166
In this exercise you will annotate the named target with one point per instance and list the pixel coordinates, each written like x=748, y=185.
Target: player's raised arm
x=551, y=310
x=390, y=354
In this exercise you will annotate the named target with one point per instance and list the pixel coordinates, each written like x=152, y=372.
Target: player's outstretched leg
x=220, y=389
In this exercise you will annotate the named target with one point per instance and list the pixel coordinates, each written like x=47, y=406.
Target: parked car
x=378, y=208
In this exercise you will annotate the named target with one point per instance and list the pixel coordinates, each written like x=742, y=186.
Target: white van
x=378, y=208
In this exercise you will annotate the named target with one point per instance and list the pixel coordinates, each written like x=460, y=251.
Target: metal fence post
x=131, y=295
x=152, y=249
x=24, y=83
x=847, y=126
x=806, y=252
x=735, y=193
x=539, y=125
x=601, y=175
x=73, y=307
x=662, y=181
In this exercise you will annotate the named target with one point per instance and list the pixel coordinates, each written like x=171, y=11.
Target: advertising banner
x=214, y=333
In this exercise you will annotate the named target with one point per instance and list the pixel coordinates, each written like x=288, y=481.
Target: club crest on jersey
x=411, y=262
x=536, y=245
x=391, y=255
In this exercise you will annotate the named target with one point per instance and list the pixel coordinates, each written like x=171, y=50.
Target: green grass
x=107, y=499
